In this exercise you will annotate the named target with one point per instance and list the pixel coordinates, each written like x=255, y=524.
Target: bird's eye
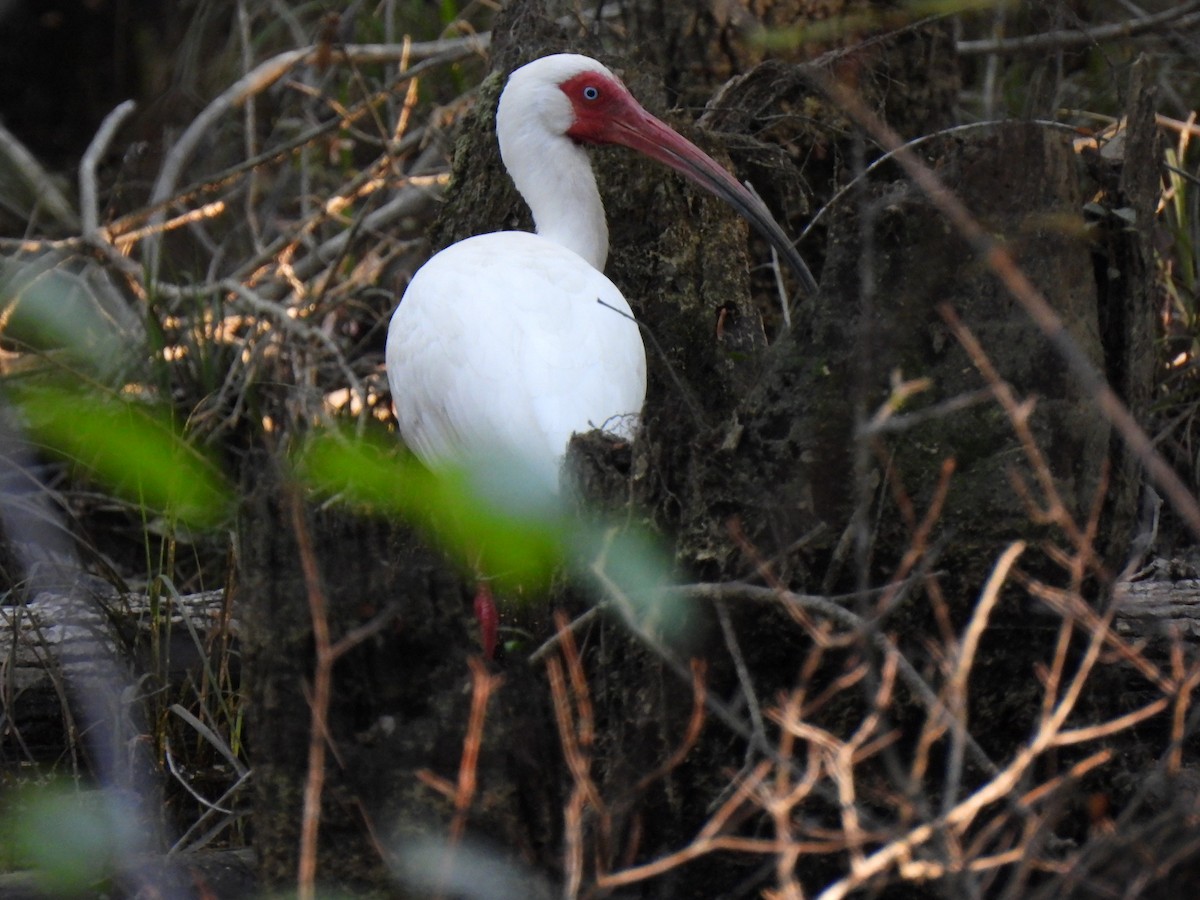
x=591, y=92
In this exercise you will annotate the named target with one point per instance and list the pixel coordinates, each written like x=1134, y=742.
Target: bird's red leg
x=488, y=617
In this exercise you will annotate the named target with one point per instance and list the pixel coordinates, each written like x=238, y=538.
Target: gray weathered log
x=60, y=638
x=1158, y=611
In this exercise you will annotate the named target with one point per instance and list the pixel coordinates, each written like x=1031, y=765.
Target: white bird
x=506, y=344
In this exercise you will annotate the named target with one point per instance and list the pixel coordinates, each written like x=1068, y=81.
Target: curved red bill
x=613, y=116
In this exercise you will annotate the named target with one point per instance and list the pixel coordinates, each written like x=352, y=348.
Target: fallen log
x=58, y=643
x=1158, y=611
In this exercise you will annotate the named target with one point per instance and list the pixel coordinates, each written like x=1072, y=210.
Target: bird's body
x=506, y=344
x=546, y=361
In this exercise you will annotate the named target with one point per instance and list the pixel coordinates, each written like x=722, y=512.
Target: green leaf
x=70, y=839
x=500, y=523
x=130, y=448
x=491, y=516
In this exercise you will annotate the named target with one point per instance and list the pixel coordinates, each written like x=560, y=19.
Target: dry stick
x=742, y=670
x=579, y=684
x=1187, y=681
x=582, y=784
x=314, y=782
x=1072, y=606
x=719, y=709
x=327, y=654
x=1127, y=832
x=1050, y=733
x=250, y=127
x=919, y=544
x=1188, y=128
x=483, y=685
x=818, y=634
x=707, y=841
x=925, y=870
x=267, y=73
x=279, y=316
x=1018, y=413
x=956, y=685
x=386, y=162
x=901, y=850
x=125, y=224
x=844, y=617
x=584, y=618
x=691, y=734
x=1001, y=262
x=577, y=749
x=26, y=166
x=854, y=750
x=1055, y=509
x=781, y=803
x=1002, y=782
x=576, y=741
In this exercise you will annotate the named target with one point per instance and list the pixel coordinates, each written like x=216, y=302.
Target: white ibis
x=506, y=344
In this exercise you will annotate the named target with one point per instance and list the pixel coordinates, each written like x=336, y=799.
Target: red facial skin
x=599, y=102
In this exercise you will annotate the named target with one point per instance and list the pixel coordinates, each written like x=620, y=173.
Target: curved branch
x=1184, y=16
x=268, y=73
x=740, y=590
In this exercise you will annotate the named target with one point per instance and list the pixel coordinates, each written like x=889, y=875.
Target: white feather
x=500, y=347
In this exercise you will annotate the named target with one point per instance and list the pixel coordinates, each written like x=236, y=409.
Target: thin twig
x=268, y=73
x=956, y=684
x=483, y=685
x=47, y=195
x=839, y=614
x=326, y=653
x=314, y=781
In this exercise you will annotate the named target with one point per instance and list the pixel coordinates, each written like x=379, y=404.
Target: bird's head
x=564, y=95
x=573, y=96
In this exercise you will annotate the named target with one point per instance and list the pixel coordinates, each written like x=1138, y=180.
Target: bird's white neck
x=555, y=177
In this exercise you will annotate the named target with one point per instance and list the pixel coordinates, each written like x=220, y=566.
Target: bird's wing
x=508, y=343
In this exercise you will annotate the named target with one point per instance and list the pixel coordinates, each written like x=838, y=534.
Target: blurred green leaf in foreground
x=70, y=839
x=497, y=522
x=80, y=345
x=130, y=448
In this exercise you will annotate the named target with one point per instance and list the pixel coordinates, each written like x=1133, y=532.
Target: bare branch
x=91, y=158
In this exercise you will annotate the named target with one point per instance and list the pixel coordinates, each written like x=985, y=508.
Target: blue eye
x=591, y=92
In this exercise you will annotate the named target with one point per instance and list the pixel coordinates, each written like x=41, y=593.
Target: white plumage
x=500, y=347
